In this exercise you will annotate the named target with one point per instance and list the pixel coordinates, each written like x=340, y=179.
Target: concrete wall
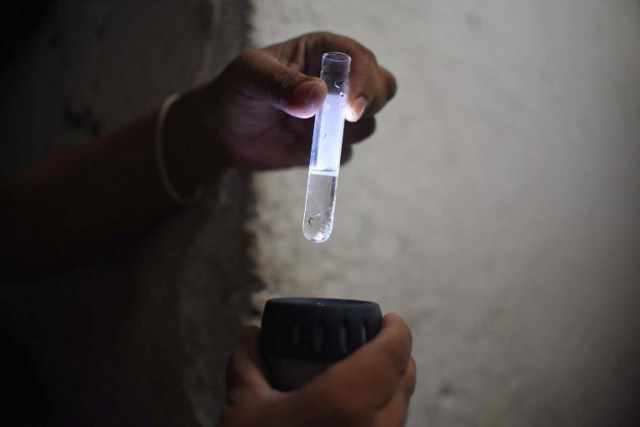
x=141, y=336
x=496, y=207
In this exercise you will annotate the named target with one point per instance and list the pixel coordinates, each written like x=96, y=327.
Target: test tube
x=326, y=148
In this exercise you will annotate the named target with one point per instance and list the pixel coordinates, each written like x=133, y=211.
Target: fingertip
x=248, y=340
x=395, y=326
x=392, y=317
x=307, y=99
x=249, y=332
x=356, y=109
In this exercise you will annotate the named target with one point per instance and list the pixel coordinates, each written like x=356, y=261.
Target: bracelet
x=162, y=168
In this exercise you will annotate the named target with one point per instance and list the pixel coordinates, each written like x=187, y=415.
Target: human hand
x=258, y=107
x=370, y=388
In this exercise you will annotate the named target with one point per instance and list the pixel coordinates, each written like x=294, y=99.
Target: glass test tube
x=326, y=148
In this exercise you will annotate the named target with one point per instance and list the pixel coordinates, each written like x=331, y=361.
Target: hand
x=259, y=105
x=370, y=388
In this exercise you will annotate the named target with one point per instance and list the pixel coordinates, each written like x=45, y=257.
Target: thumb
x=245, y=368
x=259, y=76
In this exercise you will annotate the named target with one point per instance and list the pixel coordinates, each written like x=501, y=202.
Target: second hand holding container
x=302, y=337
x=324, y=165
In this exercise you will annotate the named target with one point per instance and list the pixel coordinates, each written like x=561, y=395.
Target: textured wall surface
x=496, y=207
x=141, y=336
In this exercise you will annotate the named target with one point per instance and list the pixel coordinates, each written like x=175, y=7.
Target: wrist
x=192, y=154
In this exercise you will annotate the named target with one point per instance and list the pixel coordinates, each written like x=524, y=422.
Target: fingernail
x=306, y=92
x=357, y=108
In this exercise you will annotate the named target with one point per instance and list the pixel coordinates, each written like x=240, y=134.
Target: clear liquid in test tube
x=326, y=148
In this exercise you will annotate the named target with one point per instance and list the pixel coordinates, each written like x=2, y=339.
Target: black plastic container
x=301, y=337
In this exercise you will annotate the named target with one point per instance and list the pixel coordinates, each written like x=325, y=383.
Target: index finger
x=369, y=378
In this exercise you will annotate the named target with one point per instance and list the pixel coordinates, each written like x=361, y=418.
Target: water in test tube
x=326, y=148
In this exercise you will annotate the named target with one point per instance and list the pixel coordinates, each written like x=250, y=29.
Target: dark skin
x=254, y=116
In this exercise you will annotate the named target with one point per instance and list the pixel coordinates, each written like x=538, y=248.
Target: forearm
x=79, y=200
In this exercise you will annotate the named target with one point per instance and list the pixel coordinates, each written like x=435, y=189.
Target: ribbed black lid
x=320, y=329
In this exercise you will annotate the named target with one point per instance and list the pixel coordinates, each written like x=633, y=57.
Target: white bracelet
x=162, y=168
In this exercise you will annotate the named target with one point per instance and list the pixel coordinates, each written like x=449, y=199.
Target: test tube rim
x=336, y=57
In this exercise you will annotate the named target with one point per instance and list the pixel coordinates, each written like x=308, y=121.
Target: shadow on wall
x=141, y=336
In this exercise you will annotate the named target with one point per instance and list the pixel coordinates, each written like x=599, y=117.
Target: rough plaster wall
x=496, y=207
x=141, y=336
